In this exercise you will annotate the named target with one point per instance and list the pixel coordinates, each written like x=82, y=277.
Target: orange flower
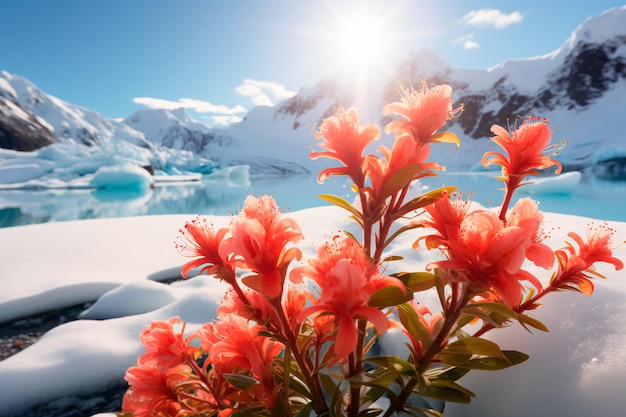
x=488, y=252
x=576, y=267
x=524, y=147
x=347, y=280
x=404, y=163
x=260, y=235
x=152, y=391
x=164, y=346
x=445, y=216
x=236, y=346
x=425, y=111
x=198, y=239
x=526, y=215
x=259, y=308
x=294, y=300
x=345, y=140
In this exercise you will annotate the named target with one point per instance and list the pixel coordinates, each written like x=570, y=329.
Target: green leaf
x=305, y=411
x=400, y=231
x=401, y=179
x=456, y=359
x=515, y=357
x=449, y=374
x=371, y=412
x=249, y=411
x=389, y=296
x=441, y=288
x=243, y=382
x=296, y=385
x=375, y=392
x=527, y=320
x=488, y=312
x=393, y=258
x=494, y=363
x=335, y=402
x=393, y=363
x=413, y=325
x=493, y=307
x=340, y=202
x=423, y=200
x=328, y=383
x=473, y=346
x=416, y=281
x=446, y=137
x=415, y=411
x=446, y=391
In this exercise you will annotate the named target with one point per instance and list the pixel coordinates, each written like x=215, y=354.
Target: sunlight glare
x=361, y=40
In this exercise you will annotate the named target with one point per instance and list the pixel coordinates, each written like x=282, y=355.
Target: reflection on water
x=593, y=198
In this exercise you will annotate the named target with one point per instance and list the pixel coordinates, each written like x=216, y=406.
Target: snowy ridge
x=68, y=121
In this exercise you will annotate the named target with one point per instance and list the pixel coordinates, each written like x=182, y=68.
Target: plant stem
x=355, y=367
x=318, y=401
x=512, y=183
x=452, y=315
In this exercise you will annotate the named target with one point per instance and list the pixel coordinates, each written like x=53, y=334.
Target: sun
x=361, y=40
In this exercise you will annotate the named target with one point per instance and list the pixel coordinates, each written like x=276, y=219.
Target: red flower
x=525, y=214
x=259, y=239
x=347, y=280
x=152, y=391
x=488, y=252
x=234, y=345
x=404, y=163
x=425, y=111
x=524, y=147
x=445, y=216
x=164, y=346
x=257, y=307
x=345, y=140
x=198, y=239
x=576, y=267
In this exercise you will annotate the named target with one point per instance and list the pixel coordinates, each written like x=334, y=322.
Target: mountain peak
x=597, y=29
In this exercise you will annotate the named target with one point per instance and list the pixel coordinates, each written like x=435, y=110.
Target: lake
x=600, y=199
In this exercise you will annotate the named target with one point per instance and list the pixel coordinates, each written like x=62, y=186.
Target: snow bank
x=576, y=370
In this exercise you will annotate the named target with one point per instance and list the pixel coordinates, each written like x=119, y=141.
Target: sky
x=219, y=59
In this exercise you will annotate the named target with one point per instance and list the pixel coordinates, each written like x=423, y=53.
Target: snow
x=25, y=171
x=576, y=370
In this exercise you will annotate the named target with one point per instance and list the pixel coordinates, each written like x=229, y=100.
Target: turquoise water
x=592, y=198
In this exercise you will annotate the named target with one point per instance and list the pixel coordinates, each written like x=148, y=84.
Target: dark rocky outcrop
x=20, y=130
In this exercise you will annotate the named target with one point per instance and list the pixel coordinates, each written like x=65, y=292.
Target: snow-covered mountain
x=61, y=141
x=581, y=88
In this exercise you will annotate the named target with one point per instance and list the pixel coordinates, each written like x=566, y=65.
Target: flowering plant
x=299, y=339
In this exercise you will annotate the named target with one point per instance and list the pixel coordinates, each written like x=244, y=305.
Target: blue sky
x=220, y=58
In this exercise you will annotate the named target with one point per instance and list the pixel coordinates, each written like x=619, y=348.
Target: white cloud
x=263, y=93
x=188, y=103
x=225, y=120
x=467, y=41
x=492, y=17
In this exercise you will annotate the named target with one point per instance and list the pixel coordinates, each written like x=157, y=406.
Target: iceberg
x=564, y=183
